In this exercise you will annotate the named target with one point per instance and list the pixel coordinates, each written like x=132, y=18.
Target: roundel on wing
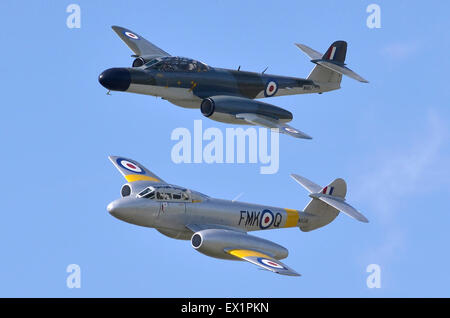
x=266, y=219
x=270, y=263
x=271, y=88
x=130, y=166
x=131, y=35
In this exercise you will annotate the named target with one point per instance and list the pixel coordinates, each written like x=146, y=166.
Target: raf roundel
x=271, y=88
x=266, y=219
x=130, y=166
x=270, y=263
x=131, y=35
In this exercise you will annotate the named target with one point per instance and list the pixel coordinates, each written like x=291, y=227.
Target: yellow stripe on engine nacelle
x=139, y=177
x=292, y=218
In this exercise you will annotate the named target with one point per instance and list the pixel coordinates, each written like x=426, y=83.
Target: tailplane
x=330, y=66
x=325, y=204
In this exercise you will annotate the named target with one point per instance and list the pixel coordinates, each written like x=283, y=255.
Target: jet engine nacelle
x=141, y=60
x=215, y=243
x=132, y=188
x=225, y=108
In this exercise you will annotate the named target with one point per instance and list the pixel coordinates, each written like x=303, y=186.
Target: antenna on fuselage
x=237, y=197
x=239, y=68
x=264, y=70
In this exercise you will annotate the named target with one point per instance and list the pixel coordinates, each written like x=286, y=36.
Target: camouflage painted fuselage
x=188, y=89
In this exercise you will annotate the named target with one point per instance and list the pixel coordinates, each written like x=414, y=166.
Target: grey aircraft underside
x=222, y=94
x=218, y=228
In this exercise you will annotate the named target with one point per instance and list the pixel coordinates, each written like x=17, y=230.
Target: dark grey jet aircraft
x=222, y=94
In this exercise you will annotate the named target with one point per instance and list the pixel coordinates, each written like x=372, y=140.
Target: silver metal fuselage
x=176, y=219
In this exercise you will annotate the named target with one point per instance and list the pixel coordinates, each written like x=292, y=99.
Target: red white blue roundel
x=130, y=166
x=270, y=263
x=266, y=219
x=271, y=88
x=131, y=35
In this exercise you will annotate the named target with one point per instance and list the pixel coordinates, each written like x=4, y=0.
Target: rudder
x=336, y=52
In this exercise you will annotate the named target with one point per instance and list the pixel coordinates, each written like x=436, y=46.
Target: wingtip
x=290, y=272
x=302, y=135
x=112, y=158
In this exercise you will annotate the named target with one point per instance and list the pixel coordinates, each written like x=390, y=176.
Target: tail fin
x=336, y=52
x=325, y=204
x=330, y=66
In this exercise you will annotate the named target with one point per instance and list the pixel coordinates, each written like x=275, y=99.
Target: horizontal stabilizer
x=333, y=60
x=342, y=206
x=341, y=70
x=261, y=120
x=333, y=195
x=312, y=54
x=307, y=184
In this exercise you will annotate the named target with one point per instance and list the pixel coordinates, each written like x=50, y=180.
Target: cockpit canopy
x=165, y=193
x=176, y=64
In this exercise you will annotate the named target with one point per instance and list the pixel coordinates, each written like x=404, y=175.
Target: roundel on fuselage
x=266, y=219
x=271, y=88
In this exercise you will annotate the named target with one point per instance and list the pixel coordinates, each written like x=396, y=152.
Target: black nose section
x=115, y=79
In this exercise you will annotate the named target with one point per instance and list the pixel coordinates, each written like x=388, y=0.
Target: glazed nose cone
x=115, y=79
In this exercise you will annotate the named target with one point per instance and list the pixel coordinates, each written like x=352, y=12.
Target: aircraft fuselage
x=172, y=218
x=188, y=89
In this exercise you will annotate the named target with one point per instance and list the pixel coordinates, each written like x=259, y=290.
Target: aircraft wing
x=261, y=120
x=264, y=261
x=133, y=171
x=138, y=44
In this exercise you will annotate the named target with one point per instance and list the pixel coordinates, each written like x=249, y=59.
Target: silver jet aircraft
x=218, y=228
x=221, y=94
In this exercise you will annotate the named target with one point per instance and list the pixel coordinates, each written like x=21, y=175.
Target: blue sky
x=389, y=139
